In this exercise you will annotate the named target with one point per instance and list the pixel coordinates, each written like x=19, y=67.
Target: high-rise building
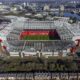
x=62, y=10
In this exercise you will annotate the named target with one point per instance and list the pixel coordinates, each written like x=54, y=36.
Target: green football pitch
x=39, y=37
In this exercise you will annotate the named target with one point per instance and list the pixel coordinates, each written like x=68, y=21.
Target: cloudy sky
x=36, y=0
x=39, y=0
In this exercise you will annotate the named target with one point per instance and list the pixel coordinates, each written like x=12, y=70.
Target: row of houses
x=39, y=76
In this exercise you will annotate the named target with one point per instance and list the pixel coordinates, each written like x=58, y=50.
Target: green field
x=39, y=37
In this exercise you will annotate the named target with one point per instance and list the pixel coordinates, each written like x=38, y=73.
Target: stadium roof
x=64, y=29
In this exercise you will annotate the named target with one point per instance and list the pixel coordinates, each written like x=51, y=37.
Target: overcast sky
x=39, y=0
x=36, y=0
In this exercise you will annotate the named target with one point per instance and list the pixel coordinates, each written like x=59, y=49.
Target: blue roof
x=72, y=15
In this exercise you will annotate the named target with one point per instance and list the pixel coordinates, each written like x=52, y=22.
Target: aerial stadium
x=28, y=37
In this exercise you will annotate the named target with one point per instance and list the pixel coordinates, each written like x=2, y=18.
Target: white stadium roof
x=67, y=32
